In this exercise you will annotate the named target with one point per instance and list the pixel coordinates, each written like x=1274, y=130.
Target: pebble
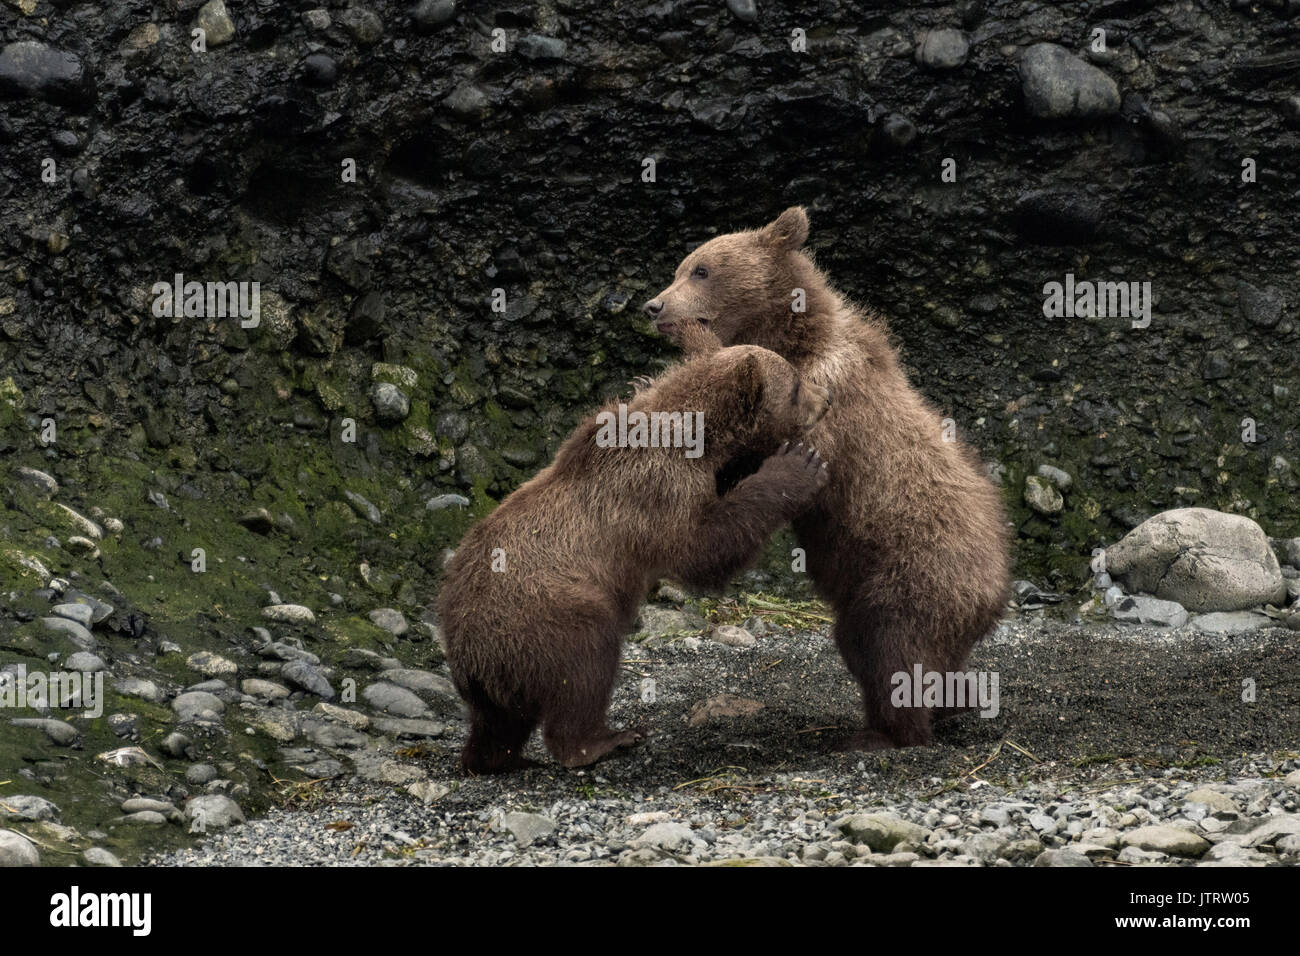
x=746, y=11
x=29, y=68
x=440, y=502
x=1166, y=839
x=431, y=14
x=1140, y=609
x=289, y=614
x=212, y=812
x=198, y=705
x=212, y=665
x=98, y=856
x=85, y=662
x=468, y=102
x=267, y=690
x=528, y=828
x=391, y=620
x=393, y=699
x=362, y=24
x=17, y=850
x=1059, y=85
x=943, y=49
x=733, y=636
x=308, y=677
x=216, y=24
x=390, y=402
x=1041, y=496
x=535, y=47
x=61, y=733
x=38, y=480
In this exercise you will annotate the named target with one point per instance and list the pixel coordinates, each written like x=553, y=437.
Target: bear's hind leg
x=497, y=736
x=574, y=725
x=874, y=647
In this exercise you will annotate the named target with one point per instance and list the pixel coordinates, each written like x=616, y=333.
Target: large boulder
x=1205, y=560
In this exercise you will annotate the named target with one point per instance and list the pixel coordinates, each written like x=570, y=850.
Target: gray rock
x=212, y=665
x=1140, y=609
x=880, y=831
x=536, y=47
x=198, y=705
x=82, y=614
x=200, y=773
x=1231, y=622
x=985, y=846
x=1060, y=480
x=99, y=610
x=1063, y=857
x=660, y=622
x=670, y=836
x=363, y=507
x=317, y=20
x=175, y=744
x=75, y=632
x=431, y=14
x=287, y=652
x=433, y=688
x=141, y=804
x=943, y=49
x=265, y=689
x=213, y=811
x=27, y=807
x=446, y=501
x=1205, y=560
x=98, y=856
x=32, y=69
x=289, y=613
x=85, y=662
x=1272, y=828
x=391, y=403
x=391, y=620
x=1166, y=839
x=17, y=850
x=995, y=814
x=308, y=677
x=62, y=734
x=1216, y=801
x=1261, y=307
x=746, y=11
x=37, y=479
x=1058, y=85
x=1041, y=495
x=394, y=700
x=528, y=828
x=215, y=21
x=733, y=636
x=362, y=24
x=468, y=102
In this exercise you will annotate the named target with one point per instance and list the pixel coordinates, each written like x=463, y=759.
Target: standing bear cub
x=537, y=599
x=908, y=541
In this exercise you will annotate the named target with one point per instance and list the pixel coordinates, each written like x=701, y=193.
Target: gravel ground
x=1113, y=746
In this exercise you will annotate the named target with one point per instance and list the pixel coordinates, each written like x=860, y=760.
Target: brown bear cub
x=537, y=599
x=908, y=541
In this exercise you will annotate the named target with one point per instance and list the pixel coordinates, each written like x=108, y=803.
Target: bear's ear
x=789, y=230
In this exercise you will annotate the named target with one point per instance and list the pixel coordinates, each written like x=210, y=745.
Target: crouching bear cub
x=537, y=599
x=908, y=540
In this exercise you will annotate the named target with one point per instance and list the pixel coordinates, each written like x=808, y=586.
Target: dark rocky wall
x=523, y=170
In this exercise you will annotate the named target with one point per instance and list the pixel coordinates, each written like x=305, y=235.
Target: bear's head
x=753, y=399
x=741, y=287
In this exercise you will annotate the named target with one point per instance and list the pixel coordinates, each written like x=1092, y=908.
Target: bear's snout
x=654, y=307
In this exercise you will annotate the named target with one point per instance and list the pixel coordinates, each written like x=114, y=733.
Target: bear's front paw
x=798, y=471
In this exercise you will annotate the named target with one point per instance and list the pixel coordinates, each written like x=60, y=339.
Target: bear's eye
x=700, y=273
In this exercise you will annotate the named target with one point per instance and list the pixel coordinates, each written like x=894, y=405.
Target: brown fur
x=908, y=540
x=583, y=540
